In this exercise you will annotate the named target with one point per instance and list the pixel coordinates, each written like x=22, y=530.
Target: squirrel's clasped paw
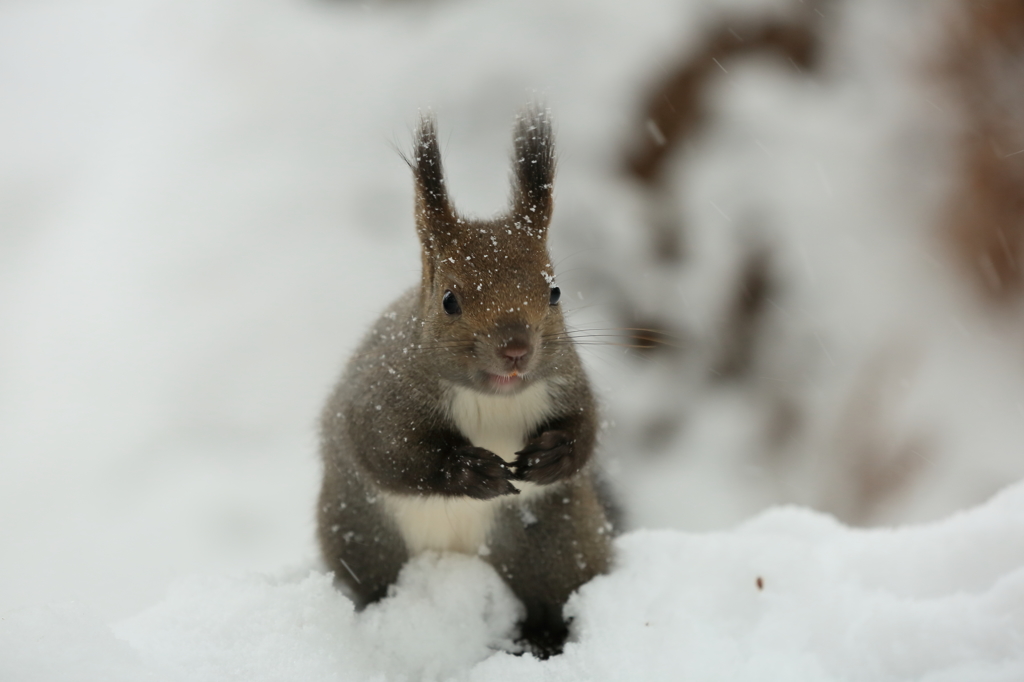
x=546, y=458
x=478, y=473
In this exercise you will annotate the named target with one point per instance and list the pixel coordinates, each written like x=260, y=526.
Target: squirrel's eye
x=450, y=303
x=556, y=294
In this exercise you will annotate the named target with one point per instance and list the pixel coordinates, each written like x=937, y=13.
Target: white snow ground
x=200, y=212
x=943, y=601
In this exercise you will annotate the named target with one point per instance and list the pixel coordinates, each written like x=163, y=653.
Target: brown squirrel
x=465, y=421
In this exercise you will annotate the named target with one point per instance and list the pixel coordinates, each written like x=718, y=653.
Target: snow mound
x=790, y=595
x=445, y=615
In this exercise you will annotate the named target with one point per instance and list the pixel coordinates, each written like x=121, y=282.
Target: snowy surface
x=789, y=595
x=201, y=211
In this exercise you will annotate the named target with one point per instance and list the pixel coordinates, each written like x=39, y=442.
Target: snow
x=202, y=212
x=788, y=595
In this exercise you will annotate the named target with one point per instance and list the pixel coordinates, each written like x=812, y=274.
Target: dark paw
x=543, y=641
x=546, y=458
x=478, y=473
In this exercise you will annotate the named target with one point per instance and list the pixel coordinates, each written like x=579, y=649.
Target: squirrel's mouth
x=504, y=381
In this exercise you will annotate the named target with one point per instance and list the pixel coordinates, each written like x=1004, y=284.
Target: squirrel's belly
x=449, y=524
x=457, y=524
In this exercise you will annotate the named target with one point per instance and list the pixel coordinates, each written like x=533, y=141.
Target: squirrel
x=465, y=422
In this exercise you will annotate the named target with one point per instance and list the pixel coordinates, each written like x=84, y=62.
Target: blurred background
x=789, y=232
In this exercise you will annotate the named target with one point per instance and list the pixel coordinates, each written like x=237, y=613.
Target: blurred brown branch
x=983, y=65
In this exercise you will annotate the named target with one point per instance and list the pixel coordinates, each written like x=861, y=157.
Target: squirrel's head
x=489, y=304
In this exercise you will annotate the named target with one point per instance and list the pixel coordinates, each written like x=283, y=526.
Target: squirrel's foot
x=546, y=458
x=478, y=473
x=543, y=640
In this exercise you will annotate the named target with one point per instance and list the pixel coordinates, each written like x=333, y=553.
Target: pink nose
x=515, y=351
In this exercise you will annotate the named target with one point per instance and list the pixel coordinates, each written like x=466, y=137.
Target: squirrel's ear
x=434, y=214
x=533, y=160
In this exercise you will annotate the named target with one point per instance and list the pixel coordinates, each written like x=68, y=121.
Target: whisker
x=596, y=332
x=614, y=344
x=643, y=338
x=573, y=255
x=621, y=329
x=573, y=310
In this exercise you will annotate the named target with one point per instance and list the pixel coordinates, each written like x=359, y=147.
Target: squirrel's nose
x=514, y=350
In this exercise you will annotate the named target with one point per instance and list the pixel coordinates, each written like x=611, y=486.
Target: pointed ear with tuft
x=533, y=160
x=434, y=213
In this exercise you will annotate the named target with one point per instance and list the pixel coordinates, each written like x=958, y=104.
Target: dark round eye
x=556, y=294
x=450, y=303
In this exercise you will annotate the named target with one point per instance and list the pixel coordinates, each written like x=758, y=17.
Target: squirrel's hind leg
x=545, y=548
x=357, y=538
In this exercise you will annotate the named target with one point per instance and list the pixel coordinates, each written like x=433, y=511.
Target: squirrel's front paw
x=546, y=458
x=479, y=473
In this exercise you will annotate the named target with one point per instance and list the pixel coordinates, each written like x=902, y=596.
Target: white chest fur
x=498, y=423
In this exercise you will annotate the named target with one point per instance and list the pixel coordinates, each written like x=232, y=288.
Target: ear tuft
x=431, y=195
x=533, y=162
